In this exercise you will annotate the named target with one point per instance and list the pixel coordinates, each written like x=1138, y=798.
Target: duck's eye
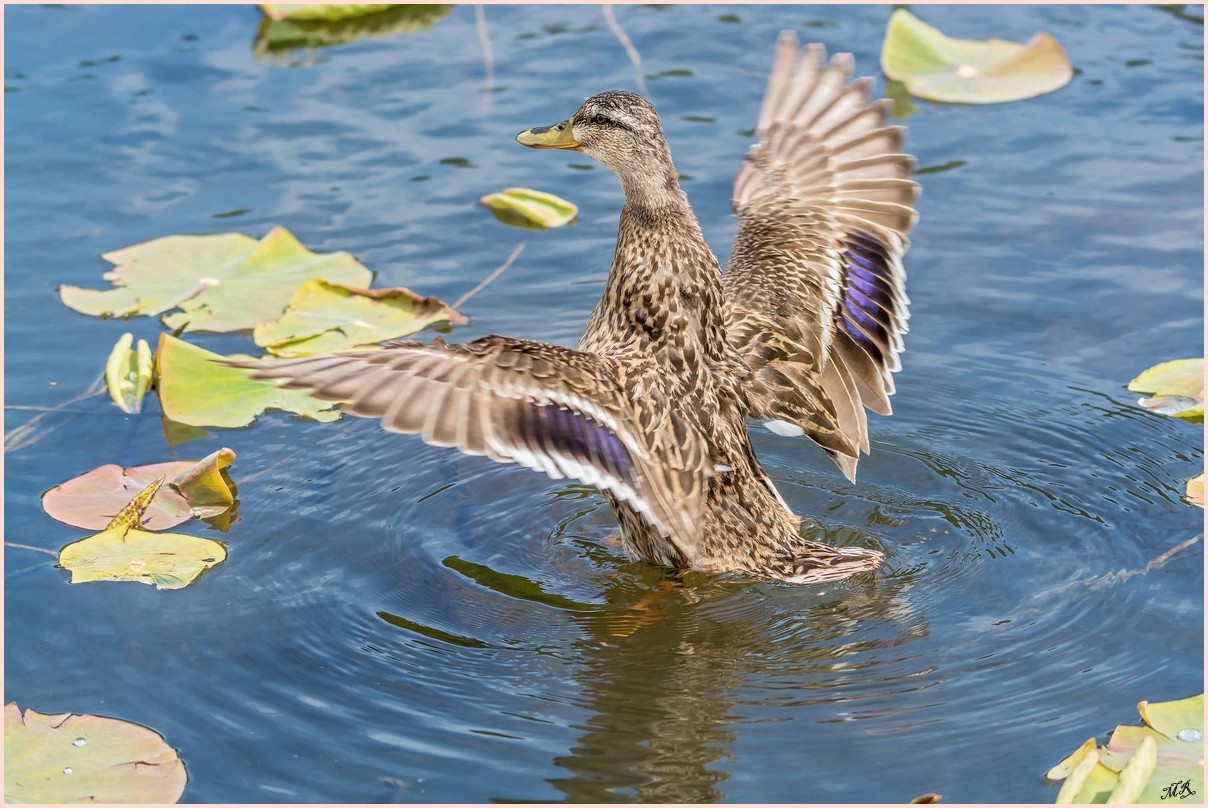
x=599, y=119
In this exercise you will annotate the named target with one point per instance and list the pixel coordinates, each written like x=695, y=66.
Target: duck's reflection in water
x=678, y=663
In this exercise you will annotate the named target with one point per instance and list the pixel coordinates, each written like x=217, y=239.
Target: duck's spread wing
x=549, y=408
x=815, y=289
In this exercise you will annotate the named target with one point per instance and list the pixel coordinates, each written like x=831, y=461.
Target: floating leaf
x=128, y=373
x=1177, y=388
x=967, y=71
x=70, y=758
x=328, y=317
x=1195, y=490
x=195, y=388
x=289, y=26
x=535, y=210
x=1149, y=764
x=125, y=552
x=195, y=488
x=227, y=282
x=204, y=485
x=903, y=105
x=320, y=11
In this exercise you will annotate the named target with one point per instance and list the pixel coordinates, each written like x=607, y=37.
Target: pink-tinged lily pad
x=123, y=551
x=1161, y=762
x=1176, y=388
x=70, y=758
x=196, y=488
x=328, y=317
x=965, y=71
x=226, y=282
x=195, y=388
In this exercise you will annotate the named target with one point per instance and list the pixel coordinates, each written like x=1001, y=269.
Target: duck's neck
x=663, y=293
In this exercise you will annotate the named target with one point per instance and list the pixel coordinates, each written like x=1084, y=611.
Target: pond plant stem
x=627, y=44
x=487, y=280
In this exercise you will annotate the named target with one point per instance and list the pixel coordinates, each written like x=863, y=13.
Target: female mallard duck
x=802, y=331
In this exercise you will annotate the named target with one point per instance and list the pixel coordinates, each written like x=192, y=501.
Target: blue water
x=397, y=622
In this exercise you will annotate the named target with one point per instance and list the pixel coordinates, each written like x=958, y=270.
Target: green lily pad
x=196, y=488
x=128, y=373
x=123, y=551
x=1177, y=388
x=535, y=210
x=1149, y=764
x=328, y=317
x=967, y=71
x=227, y=282
x=903, y=104
x=70, y=758
x=320, y=11
x=287, y=27
x=196, y=389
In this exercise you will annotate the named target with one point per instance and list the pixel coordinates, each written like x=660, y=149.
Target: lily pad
x=967, y=71
x=1148, y=764
x=535, y=210
x=123, y=551
x=320, y=11
x=196, y=488
x=328, y=317
x=288, y=26
x=1195, y=490
x=226, y=282
x=70, y=758
x=903, y=104
x=1177, y=388
x=128, y=373
x=196, y=389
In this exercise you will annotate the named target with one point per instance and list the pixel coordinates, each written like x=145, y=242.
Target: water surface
x=397, y=622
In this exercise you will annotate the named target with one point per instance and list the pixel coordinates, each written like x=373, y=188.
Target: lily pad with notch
x=123, y=551
x=196, y=488
x=326, y=317
x=195, y=388
x=69, y=758
x=221, y=283
x=940, y=68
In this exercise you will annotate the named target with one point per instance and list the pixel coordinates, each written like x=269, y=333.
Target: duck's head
x=617, y=128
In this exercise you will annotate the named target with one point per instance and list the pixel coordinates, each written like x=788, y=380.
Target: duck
x=802, y=331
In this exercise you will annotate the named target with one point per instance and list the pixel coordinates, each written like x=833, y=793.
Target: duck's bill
x=558, y=136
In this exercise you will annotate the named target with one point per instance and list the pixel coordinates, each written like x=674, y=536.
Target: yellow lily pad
x=128, y=373
x=226, y=282
x=328, y=317
x=195, y=388
x=1195, y=490
x=69, y=758
x=934, y=66
x=1162, y=761
x=196, y=488
x=1177, y=388
x=123, y=551
x=535, y=210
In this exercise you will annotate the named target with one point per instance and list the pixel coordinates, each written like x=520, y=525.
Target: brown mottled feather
x=826, y=170
x=652, y=407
